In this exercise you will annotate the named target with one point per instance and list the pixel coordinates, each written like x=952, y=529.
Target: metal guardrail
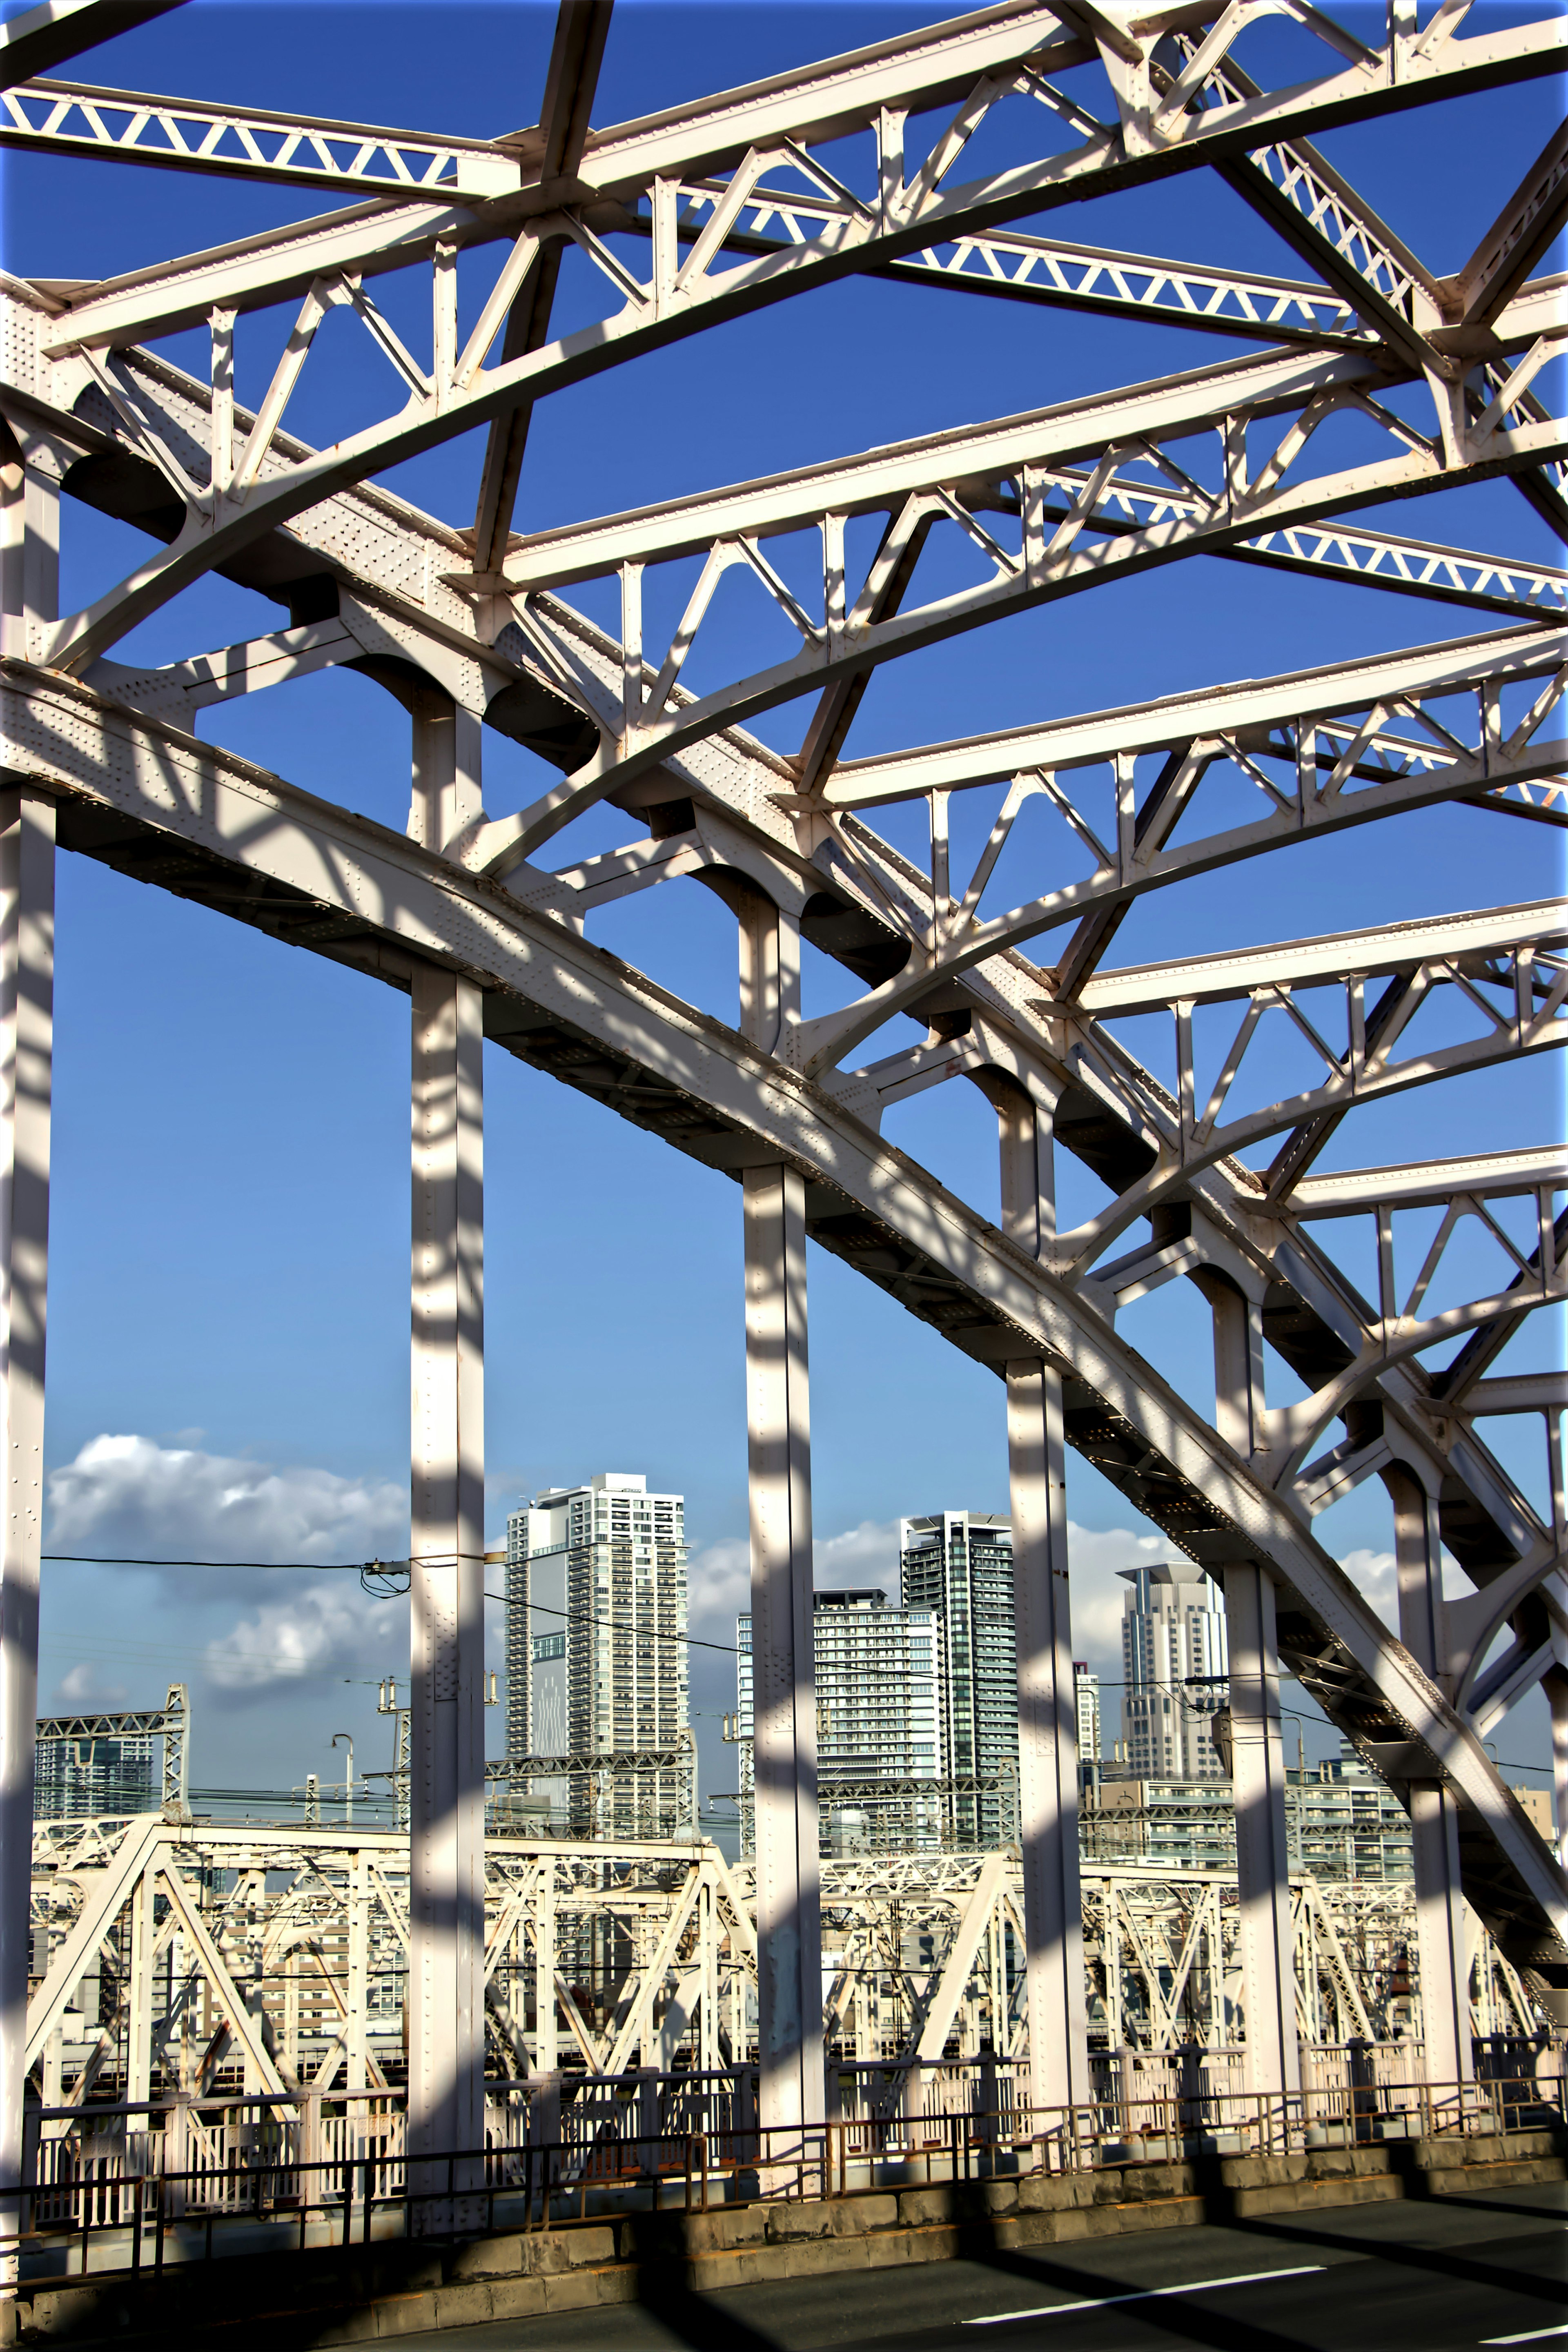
x=136, y=2219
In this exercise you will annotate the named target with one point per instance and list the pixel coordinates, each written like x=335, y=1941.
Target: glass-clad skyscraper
x=958, y=1565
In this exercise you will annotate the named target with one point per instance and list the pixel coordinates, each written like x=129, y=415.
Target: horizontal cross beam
x=130, y=779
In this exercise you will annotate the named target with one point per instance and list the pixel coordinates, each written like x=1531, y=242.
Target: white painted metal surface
x=464, y=911
x=446, y=1999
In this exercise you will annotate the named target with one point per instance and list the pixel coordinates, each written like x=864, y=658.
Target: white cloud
x=85, y=1690
x=1372, y=1573
x=718, y=1586
x=719, y=1577
x=176, y=1501
x=1095, y=1557
x=865, y=1554
x=131, y=1497
x=309, y=1636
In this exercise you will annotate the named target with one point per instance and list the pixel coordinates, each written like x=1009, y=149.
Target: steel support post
x=354, y=2041
x=32, y=466
x=1047, y=1706
x=1556, y=1683
x=546, y=2058
x=1434, y=1816
x=27, y=1058
x=1265, y=1937
x=447, y=747
x=138, y=2024
x=784, y=1682
x=1048, y=1738
x=447, y=1891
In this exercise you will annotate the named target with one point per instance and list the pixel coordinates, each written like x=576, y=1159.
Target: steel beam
x=1047, y=1736
x=789, y=1931
x=555, y=153
x=1047, y=1705
x=27, y=1062
x=1250, y=708
x=1485, y=1176
x=1434, y=1818
x=46, y=35
x=1522, y=233
x=446, y=2004
x=1262, y=1856
x=1468, y=939
x=128, y=126
x=375, y=897
x=1519, y=1393
x=970, y=62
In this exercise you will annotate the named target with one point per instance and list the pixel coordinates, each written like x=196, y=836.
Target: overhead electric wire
x=583, y=1617
x=614, y=1625
x=380, y=1567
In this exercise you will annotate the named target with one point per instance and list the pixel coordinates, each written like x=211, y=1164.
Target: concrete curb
x=363, y=2295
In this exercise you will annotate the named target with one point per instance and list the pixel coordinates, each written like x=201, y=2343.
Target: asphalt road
x=1489, y=2268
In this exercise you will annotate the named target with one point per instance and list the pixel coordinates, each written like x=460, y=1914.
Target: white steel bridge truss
x=690, y=219
x=199, y=1961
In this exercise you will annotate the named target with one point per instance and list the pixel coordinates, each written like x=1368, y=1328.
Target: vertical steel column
x=355, y=2044
x=1555, y=1678
x=1048, y=1738
x=447, y=1861
x=546, y=2057
x=139, y=2029
x=1556, y=1682
x=447, y=751
x=27, y=1058
x=1048, y=1705
x=789, y=1932
x=1264, y=1936
x=1433, y=1817
x=32, y=466
x=1265, y=1939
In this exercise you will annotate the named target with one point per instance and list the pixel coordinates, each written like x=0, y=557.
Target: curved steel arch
x=687, y=224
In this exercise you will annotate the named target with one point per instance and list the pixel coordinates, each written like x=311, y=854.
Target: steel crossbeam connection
x=278, y=1967
x=170, y=1723
x=1210, y=1153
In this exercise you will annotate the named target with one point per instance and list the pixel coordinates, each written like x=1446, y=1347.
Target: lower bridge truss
x=178, y=1964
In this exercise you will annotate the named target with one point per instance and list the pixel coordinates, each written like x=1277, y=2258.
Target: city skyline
x=163, y=1439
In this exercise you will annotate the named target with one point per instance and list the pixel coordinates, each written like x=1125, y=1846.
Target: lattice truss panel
x=230, y=1961
x=1208, y=1159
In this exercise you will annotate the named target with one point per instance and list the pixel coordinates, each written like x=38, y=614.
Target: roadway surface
x=1488, y=2269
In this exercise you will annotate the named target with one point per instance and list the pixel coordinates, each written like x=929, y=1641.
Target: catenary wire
x=571, y=1616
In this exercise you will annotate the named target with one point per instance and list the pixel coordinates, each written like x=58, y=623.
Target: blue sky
x=229, y=1300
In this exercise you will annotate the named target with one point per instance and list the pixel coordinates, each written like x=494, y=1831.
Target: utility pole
x=347, y=1778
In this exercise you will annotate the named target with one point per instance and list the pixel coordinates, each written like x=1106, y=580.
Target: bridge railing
x=117, y=2195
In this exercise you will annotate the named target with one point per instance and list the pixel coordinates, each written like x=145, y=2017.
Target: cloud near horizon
x=719, y=1576
x=127, y=1496
x=154, y=1499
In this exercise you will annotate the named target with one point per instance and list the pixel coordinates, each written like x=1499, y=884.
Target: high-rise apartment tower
x=1086, y=1697
x=879, y=1718
x=1174, y=1659
x=596, y=1657
x=958, y=1565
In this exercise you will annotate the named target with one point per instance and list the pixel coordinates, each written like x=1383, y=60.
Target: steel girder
x=306, y=1905
x=1052, y=504
x=317, y=876
x=1164, y=122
